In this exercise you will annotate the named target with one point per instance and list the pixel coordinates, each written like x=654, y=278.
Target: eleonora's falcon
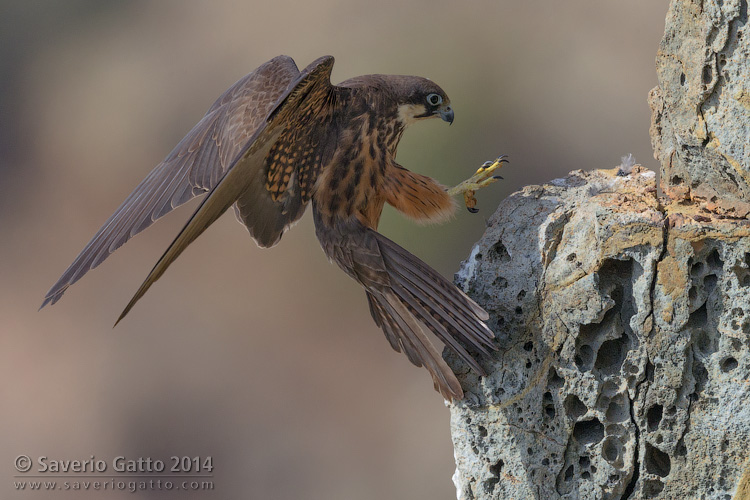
x=280, y=138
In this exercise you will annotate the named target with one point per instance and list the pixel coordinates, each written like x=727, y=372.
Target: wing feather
x=245, y=172
x=193, y=167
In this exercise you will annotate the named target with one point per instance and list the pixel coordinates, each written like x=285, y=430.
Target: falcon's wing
x=194, y=166
x=407, y=299
x=305, y=101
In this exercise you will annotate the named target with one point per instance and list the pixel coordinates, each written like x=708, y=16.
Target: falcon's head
x=410, y=98
x=419, y=98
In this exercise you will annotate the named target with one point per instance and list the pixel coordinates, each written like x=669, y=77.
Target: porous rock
x=623, y=328
x=701, y=109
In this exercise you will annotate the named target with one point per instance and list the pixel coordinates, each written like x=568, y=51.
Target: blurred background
x=266, y=360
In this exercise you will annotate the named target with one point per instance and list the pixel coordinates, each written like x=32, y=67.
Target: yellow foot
x=483, y=177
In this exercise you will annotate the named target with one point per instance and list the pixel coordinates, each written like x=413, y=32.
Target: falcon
x=280, y=139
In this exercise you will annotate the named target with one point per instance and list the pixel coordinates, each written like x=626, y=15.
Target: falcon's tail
x=408, y=299
x=420, y=293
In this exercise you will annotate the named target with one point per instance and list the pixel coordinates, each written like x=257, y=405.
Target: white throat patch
x=407, y=113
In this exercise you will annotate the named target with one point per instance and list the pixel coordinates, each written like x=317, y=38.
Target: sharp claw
x=498, y=177
x=472, y=210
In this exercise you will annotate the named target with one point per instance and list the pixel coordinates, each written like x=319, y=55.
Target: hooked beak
x=446, y=113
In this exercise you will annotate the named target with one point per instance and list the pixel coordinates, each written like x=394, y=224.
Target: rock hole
x=584, y=462
x=652, y=488
x=611, y=449
x=521, y=295
x=554, y=380
x=693, y=294
x=700, y=375
x=574, y=408
x=682, y=79
x=496, y=469
x=528, y=346
x=611, y=355
x=696, y=269
x=649, y=370
x=653, y=417
x=519, y=310
x=657, y=462
x=706, y=74
x=710, y=282
x=499, y=252
x=699, y=317
x=588, y=432
x=728, y=364
x=500, y=321
x=680, y=450
x=482, y=431
x=585, y=475
x=714, y=260
x=584, y=357
x=500, y=282
x=676, y=180
x=491, y=483
x=571, y=257
x=617, y=411
x=549, y=405
x=610, y=388
x=569, y=473
x=702, y=338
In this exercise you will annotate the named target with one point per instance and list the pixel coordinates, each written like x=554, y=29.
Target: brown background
x=266, y=360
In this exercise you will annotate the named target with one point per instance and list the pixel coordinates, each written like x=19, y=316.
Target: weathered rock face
x=624, y=335
x=701, y=109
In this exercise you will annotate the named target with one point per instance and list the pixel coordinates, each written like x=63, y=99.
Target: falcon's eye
x=434, y=99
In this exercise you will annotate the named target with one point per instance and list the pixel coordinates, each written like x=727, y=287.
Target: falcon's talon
x=482, y=177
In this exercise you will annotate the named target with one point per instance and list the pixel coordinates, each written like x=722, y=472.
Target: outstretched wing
x=194, y=166
x=407, y=299
x=305, y=101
